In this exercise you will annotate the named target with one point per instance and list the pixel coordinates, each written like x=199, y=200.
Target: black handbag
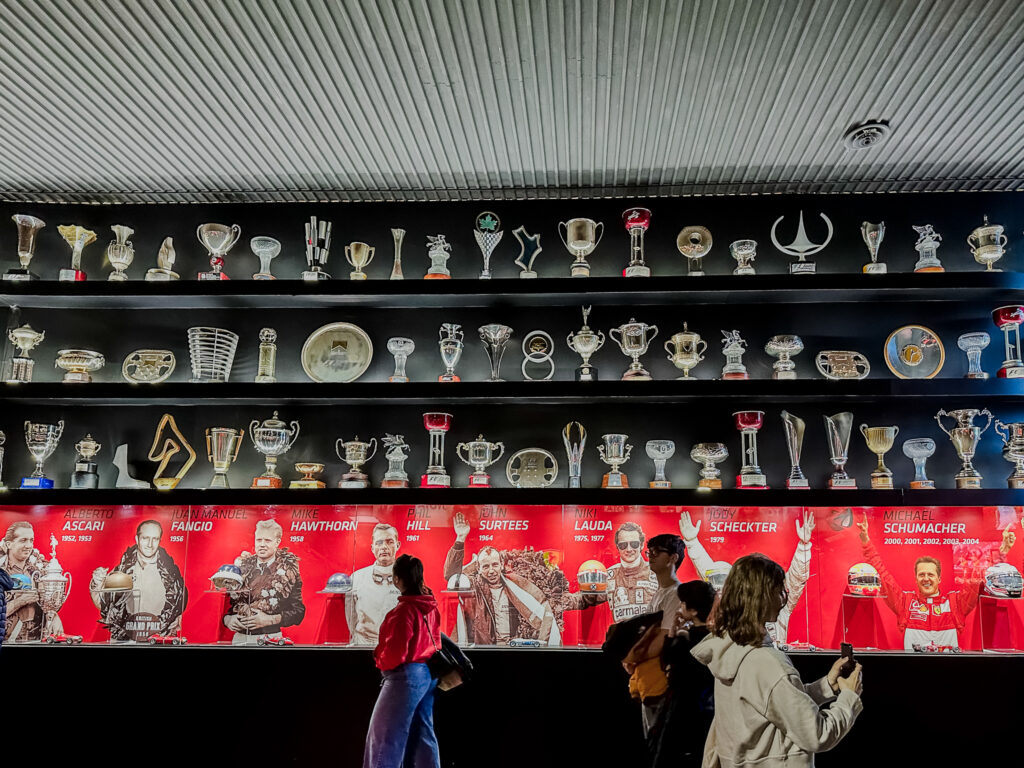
x=449, y=665
x=621, y=637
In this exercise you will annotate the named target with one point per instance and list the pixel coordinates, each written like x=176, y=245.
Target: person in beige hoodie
x=765, y=716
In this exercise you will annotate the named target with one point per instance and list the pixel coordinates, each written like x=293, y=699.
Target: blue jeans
x=402, y=726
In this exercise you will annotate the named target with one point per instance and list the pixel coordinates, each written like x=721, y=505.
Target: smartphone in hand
x=846, y=652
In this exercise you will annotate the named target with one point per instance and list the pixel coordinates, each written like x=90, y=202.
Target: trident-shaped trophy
x=488, y=233
x=873, y=235
x=838, y=428
x=574, y=451
x=801, y=247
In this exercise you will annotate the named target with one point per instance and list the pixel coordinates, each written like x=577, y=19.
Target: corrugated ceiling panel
x=182, y=100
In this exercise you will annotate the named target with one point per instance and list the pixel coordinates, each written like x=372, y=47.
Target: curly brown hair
x=753, y=594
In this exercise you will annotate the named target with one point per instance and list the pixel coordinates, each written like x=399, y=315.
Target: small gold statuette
x=170, y=448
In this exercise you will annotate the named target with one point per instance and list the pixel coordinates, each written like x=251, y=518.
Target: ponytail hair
x=410, y=570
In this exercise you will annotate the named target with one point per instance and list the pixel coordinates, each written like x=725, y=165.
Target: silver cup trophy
x=988, y=243
x=359, y=256
x=879, y=441
x=85, y=475
x=218, y=239
x=581, y=237
x=273, y=438
x=634, y=339
x=707, y=455
x=42, y=441
x=685, y=350
x=1012, y=436
x=794, y=428
x=574, y=451
x=451, y=346
x=222, y=447
x=25, y=339
x=873, y=235
x=479, y=454
x=784, y=347
x=965, y=437
x=838, y=428
x=660, y=451
x=120, y=252
x=585, y=343
x=355, y=453
x=614, y=452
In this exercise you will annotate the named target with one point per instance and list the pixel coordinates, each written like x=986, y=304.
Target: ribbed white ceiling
x=171, y=100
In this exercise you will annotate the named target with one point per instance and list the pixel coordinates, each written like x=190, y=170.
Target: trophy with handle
x=42, y=440
x=580, y=237
x=218, y=239
x=273, y=438
x=965, y=437
x=479, y=454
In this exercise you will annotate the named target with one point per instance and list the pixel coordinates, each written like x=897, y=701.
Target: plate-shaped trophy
x=337, y=353
x=914, y=352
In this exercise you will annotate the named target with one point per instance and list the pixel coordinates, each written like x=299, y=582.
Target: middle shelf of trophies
x=825, y=288
x=993, y=391
x=543, y=497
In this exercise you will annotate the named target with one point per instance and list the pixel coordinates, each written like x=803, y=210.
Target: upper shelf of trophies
x=993, y=391
x=991, y=287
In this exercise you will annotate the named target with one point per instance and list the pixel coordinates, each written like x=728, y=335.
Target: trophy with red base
x=1008, y=320
x=218, y=239
x=77, y=237
x=436, y=476
x=272, y=438
x=748, y=423
x=479, y=455
x=637, y=220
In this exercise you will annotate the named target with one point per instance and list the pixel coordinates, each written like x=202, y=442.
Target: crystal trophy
x=919, y=450
x=450, y=344
x=42, y=440
x=927, y=246
x=396, y=267
x=401, y=348
x=355, y=453
x=744, y=251
x=879, y=441
x=585, y=343
x=660, y=451
x=28, y=226
x=120, y=252
x=438, y=251
x=748, y=423
x=85, y=475
x=488, y=233
x=436, y=424
x=838, y=428
x=709, y=454
x=266, y=367
x=529, y=250
x=218, y=239
x=266, y=250
x=318, y=248
x=794, y=428
x=614, y=452
x=273, y=438
x=581, y=237
x=396, y=452
x=77, y=237
x=973, y=344
x=873, y=234
x=574, y=451
x=802, y=247
x=634, y=340
x=637, y=220
x=212, y=353
x=479, y=454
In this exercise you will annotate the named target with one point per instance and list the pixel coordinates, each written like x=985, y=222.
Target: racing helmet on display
x=339, y=583
x=459, y=582
x=717, y=573
x=863, y=580
x=227, y=577
x=592, y=576
x=1003, y=580
x=21, y=580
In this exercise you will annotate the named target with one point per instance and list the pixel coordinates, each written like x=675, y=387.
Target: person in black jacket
x=691, y=704
x=6, y=584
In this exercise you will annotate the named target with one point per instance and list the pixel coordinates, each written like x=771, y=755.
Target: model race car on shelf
x=166, y=640
x=278, y=641
x=60, y=637
x=933, y=648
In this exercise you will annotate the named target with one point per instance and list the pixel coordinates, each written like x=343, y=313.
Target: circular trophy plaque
x=914, y=352
x=338, y=352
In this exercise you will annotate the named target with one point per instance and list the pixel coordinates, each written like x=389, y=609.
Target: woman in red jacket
x=402, y=726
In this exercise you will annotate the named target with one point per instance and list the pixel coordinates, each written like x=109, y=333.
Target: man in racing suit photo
x=925, y=615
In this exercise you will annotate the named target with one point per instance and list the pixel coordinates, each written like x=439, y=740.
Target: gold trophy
x=170, y=448
x=880, y=440
x=78, y=365
x=308, y=470
x=685, y=351
x=359, y=255
x=77, y=237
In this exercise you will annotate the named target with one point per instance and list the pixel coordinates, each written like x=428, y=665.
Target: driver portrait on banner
x=24, y=564
x=153, y=596
x=373, y=592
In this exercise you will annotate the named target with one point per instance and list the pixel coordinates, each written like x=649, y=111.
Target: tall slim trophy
x=318, y=248
x=1008, y=320
x=794, y=427
x=222, y=447
x=873, y=234
x=77, y=237
x=3, y=439
x=266, y=367
x=451, y=345
x=495, y=339
x=273, y=438
x=54, y=585
x=750, y=476
x=396, y=267
x=637, y=220
x=436, y=424
x=42, y=440
x=218, y=239
x=838, y=428
x=615, y=452
x=28, y=226
x=488, y=233
x=574, y=451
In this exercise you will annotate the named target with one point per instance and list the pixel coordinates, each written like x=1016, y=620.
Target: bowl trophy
x=163, y=272
x=359, y=256
x=25, y=339
x=1008, y=320
x=42, y=440
x=965, y=437
x=973, y=344
x=488, y=233
x=926, y=246
x=85, y=475
x=438, y=251
x=266, y=250
x=802, y=247
x=784, y=347
x=495, y=338
x=987, y=244
x=614, y=452
x=879, y=441
x=733, y=349
x=637, y=220
x=709, y=454
x=838, y=364
x=77, y=237
x=838, y=428
x=685, y=350
x=694, y=243
x=355, y=453
x=218, y=239
x=28, y=226
x=531, y=468
x=400, y=347
x=222, y=447
x=318, y=249
x=451, y=346
x=78, y=365
x=581, y=237
x=148, y=366
x=272, y=438
x=660, y=451
x=169, y=447
x=574, y=451
x=120, y=253
x=634, y=339
x=919, y=450
x=873, y=235
x=396, y=452
x=750, y=476
x=794, y=428
x=744, y=251
x=309, y=470
x=1012, y=436
x=585, y=343
x=436, y=424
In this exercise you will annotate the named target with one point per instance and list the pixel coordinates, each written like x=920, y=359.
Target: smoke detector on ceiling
x=867, y=135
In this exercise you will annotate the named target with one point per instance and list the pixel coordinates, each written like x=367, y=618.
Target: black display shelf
x=947, y=393
x=994, y=287
x=729, y=497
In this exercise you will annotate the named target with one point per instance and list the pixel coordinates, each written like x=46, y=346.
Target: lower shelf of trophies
x=771, y=497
